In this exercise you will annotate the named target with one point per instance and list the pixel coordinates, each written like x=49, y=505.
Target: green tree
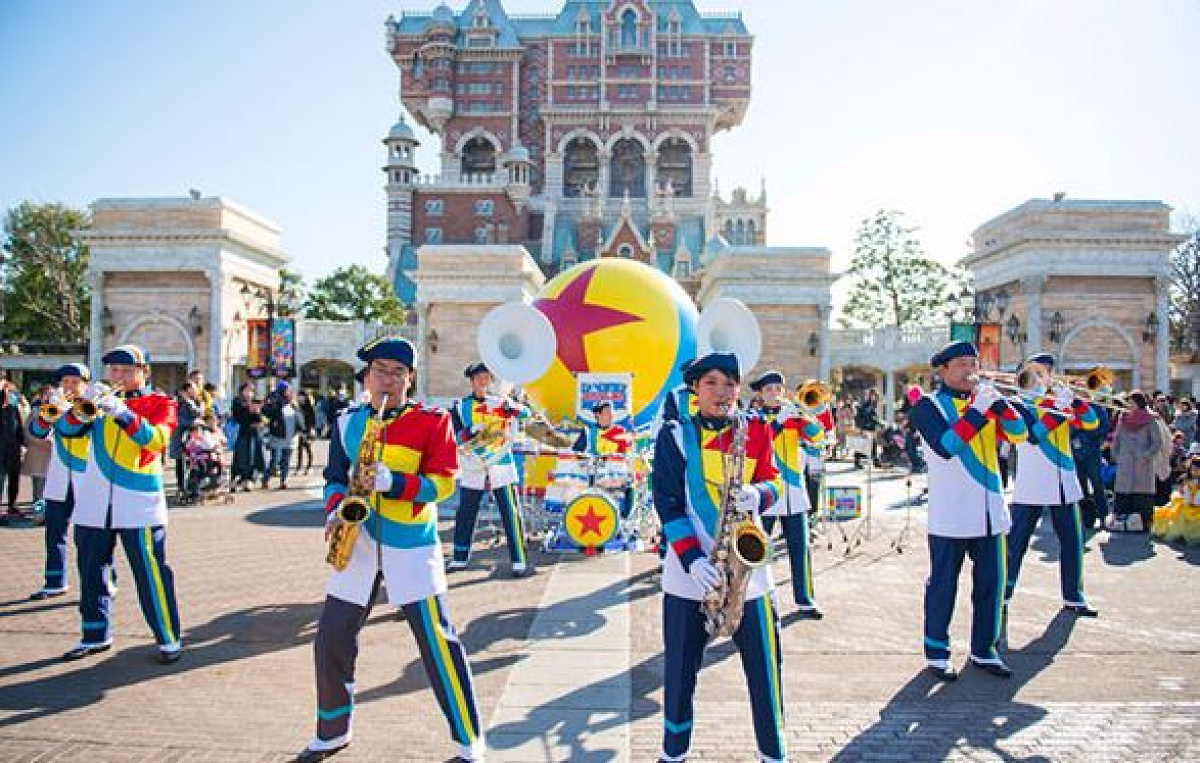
x=44, y=273
x=354, y=293
x=1185, y=289
x=895, y=284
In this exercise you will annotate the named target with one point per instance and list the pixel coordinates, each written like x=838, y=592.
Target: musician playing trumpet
x=1046, y=479
x=689, y=476
x=398, y=544
x=793, y=432
x=484, y=414
x=963, y=421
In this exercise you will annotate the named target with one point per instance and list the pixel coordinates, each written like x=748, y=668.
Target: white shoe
x=475, y=752
x=325, y=745
x=454, y=564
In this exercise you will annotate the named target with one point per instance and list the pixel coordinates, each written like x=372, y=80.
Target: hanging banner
x=962, y=332
x=283, y=348
x=257, y=347
x=613, y=388
x=989, y=346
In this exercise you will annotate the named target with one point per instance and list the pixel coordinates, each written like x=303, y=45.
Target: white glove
x=111, y=405
x=747, y=499
x=985, y=397
x=1062, y=398
x=57, y=398
x=705, y=574
x=383, y=479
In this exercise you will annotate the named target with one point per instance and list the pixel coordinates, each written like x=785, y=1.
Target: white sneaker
x=454, y=565
x=325, y=745
x=475, y=752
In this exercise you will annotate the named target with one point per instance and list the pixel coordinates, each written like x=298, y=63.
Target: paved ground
x=567, y=663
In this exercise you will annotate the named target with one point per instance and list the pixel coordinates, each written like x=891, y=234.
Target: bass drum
x=591, y=520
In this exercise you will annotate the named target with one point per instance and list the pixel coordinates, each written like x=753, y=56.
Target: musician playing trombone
x=963, y=421
x=120, y=495
x=413, y=468
x=793, y=430
x=483, y=415
x=1046, y=479
x=689, y=474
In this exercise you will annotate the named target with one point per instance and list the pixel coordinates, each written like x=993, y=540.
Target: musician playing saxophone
x=689, y=464
x=398, y=544
x=482, y=413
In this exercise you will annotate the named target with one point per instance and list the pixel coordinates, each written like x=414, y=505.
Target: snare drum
x=571, y=467
x=613, y=472
x=558, y=495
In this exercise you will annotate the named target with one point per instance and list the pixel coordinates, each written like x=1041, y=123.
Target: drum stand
x=903, y=538
x=863, y=531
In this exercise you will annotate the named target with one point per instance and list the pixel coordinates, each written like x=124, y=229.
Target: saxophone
x=355, y=508
x=739, y=548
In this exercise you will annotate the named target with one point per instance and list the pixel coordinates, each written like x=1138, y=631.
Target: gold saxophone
x=487, y=444
x=355, y=508
x=740, y=546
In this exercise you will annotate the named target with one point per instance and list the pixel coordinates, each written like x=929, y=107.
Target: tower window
x=435, y=207
x=485, y=207
x=433, y=235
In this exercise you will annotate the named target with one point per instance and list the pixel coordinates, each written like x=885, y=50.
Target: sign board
x=612, y=388
x=843, y=502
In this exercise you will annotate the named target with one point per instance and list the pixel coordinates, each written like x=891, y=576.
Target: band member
x=120, y=495
x=482, y=416
x=604, y=438
x=963, y=421
x=398, y=545
x=68, y=457
x=689, y=465
x=792, y=430
x=1046, y=480
x=1086, y=447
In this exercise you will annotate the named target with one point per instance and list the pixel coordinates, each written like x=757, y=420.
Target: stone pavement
x=568, y=662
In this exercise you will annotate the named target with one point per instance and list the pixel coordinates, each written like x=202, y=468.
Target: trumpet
x=812, y=394
x=1021, y=385
x=84, y=405
x=54, y=410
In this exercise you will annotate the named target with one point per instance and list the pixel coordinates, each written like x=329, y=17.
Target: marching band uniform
x=688, y=471
x=967, y=516
x=793, y=433
x=615, y=439
x=471, y=415
x=67, y=460
x=398, y=545
x=1046, y=480
x=119, y=494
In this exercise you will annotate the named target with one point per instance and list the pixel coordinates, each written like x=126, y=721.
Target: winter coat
x=37, y=455
x=1136, y=443
x=188, y=412
x=12, y=436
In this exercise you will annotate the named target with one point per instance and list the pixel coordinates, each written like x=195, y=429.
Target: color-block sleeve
x=434, y=482
x=71, y=426
x=337, y=471
x=1040, y=422
x=39, y=427
x=150, y=423
x=670, y=495
x=766, y=478
x=456, y=421
x=1085, y=418
x=945, y=440
x=809, y=429
x=1010, y=423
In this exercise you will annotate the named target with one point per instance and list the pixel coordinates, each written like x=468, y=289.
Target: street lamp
x=814, y=343
x=1013, y=328
x=1151, y=329
x=1057, y=324
x=275, y=305
x=1003, y=299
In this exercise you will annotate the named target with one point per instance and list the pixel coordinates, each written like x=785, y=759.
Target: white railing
x=889, y=337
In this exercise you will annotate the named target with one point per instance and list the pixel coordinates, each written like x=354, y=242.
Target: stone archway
x=168, y=343
x=324, y=375
x=1101, y=335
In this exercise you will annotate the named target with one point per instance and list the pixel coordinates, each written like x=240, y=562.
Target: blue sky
x=950, y=111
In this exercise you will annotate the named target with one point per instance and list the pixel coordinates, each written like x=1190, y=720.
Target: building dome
x=518, y=154
x=402, y=131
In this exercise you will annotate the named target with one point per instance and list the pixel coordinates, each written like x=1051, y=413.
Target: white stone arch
x=580, y=132
x=145, y=320
x=683, y=135
x=478, y=132
x=1130, y=344
x=635, y=135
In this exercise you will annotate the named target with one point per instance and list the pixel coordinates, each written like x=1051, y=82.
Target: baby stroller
x=205, y=472
x=890, y=447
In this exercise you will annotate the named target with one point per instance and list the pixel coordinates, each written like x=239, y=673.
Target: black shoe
x=312, y=756
x=84, y=650
x=998, y=669
x=165, y=657
x=46, y=593
x=942, y=674
x=810, y=613
x=1081, y=610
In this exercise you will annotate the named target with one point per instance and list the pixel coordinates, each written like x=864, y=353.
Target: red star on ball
x=590, y=522
x=573, y=319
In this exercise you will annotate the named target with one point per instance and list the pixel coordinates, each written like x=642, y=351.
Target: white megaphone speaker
x=727, y=325
x=517, y=342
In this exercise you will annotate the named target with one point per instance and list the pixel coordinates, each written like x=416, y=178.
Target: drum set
x=580, y=503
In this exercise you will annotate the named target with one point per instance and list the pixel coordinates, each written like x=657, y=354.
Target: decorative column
x=98, y=337
x=1033, y=286
x=1162, y=337
x=216, y=371
x=603, y=157
x=824, y=363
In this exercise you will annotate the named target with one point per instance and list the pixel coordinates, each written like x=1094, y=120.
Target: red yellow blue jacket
x=603, y=441
x=121, y=485
x=689, y=475
x=471, y=413
x=68, y=459
x=792, y=431
x=1046, y=473
x=417, y=446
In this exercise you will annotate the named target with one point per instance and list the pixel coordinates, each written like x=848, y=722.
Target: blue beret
x=952, y=351
x=770, y=377
x=476, y=368
x=282, y=386
x=725, y=362
x=1044, y=358
x=389, y=348
x=74, y=369
x=125, y=355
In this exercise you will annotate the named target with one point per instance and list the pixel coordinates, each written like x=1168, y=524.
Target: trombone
x=1022, y=383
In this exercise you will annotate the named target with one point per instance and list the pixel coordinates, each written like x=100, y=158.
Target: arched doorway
x=628, y=174
x=323, y=376
x=675, y=165
x=169, y=345
x=581, y=167
x=478, y=157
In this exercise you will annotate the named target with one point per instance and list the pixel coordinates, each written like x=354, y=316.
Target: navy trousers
x=1087, y=462
x=1069, y=529
x=795, y=532
x=509, y=508
x=445, y=661
x=58, y=521
x=988, y=560
x=757, y=641
x=146, y=550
